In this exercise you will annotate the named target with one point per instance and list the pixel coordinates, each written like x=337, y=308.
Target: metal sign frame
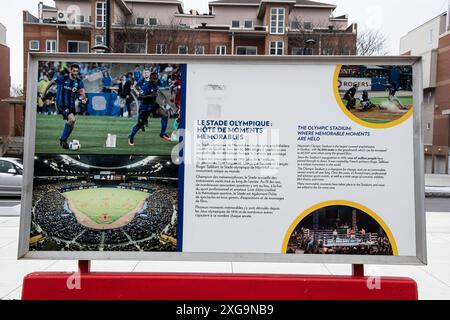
x=29, y=153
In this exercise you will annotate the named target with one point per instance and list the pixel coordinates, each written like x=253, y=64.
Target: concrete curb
x=437, y=194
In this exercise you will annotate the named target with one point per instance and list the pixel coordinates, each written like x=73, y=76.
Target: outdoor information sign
x=284, y=159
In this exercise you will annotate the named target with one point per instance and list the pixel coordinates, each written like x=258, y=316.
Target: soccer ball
x=74, y=145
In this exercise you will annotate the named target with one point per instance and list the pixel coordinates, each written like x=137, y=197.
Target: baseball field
x=92, y=132
x=105, y=208
x=381, y=114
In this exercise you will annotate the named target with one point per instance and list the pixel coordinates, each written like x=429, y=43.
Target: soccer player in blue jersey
x=70, y=87
x=147, y=89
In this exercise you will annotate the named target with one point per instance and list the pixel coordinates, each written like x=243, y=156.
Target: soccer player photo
x=107, y=108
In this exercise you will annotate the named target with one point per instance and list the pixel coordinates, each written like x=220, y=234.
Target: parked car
x=11, y=171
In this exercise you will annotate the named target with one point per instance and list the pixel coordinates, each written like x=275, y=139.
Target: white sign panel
x=224, y=159
x=284, y=167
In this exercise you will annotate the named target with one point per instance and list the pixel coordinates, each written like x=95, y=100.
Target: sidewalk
x=8, y=210
x=433, y=280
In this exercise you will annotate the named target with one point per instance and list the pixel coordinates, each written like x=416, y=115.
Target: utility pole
x=106, y=46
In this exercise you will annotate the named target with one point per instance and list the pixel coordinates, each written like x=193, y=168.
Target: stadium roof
x=84, y=164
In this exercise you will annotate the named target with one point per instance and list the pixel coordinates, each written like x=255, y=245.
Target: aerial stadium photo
x=104, y=203
x=340, y=229
x=115, y=108
x=375, y=94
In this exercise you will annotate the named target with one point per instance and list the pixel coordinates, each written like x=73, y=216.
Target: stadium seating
x=60, y=230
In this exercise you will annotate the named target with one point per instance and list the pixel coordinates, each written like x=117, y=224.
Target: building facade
x=6, y=114
x=431, y=41
x=442, y=109
x=241, y=27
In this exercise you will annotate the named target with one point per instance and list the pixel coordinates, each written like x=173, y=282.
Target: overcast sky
x=393, y=17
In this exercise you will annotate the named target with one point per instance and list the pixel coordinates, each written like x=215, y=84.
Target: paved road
x=437, y=204
x=9, y=206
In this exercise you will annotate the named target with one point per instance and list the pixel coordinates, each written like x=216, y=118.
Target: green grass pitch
x=407, y=101
x=376, y=120
x=105, y=201
x=92, y=131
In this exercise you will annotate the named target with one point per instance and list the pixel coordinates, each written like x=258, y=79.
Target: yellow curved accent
x=337, y=96
x=340, y=203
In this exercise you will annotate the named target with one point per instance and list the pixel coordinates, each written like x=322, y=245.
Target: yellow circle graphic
x=367, y=124
x=355, y=205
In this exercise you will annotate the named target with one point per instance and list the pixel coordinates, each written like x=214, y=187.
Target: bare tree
x=372, y=42
x=129, y=33
x=168, y=35
x=321, y=37
x=163, y=38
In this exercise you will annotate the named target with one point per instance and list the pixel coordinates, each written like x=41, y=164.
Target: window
x=183, y=50
x=99, y=39
x=221, y=50
x=5, y=166
x=296, y=25
x=100, y=14
x=277, y=21
x=79, y=19
x=297, y=51
x=235, y=24
x=140, y=21
x=161, y=48
x=34, y=45
x=246, y=51
x=276, y=48
x=152, y=21
x=328, y=51
x=50, y=46
x=134, y=47
x=248, y=24
x=78, y=46
x=346, y=52
x=308, y=25
x=199, y=50
x=308, y=51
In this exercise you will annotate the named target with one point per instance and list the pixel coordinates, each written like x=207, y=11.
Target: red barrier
x=174, y=286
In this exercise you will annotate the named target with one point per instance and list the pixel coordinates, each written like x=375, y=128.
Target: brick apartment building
x=5, y=110
x=231, y=27
x=442, y=111
x=431, y=40
x=242, y=27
